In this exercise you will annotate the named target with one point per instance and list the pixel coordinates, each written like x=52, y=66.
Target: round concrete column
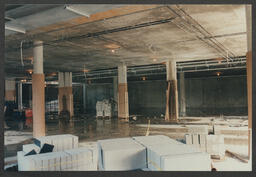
x=123, y=104
x=171, y=112
x=38, y=91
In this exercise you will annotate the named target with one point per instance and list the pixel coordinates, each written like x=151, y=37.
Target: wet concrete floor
x=87, y=129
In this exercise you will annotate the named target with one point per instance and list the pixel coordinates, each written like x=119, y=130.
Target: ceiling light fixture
x=30, y=71
x=72, y=9
x=113, y=51
x=15, y=28
x=154, y=60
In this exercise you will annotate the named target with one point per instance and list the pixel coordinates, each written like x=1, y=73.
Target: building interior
x=104, y=71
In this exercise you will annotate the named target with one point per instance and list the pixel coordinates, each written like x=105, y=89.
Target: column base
x=123, y=104
x=171, y=101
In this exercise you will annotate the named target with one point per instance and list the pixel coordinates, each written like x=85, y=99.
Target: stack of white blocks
x=166, y=154
x=103, y=109
x=212, y=144
x=197, y=140
x=215, y=145
x=107, y=109
x=99, y=109
x=121, y=154
x=60, y=142
x=66, y=156
x=68, y=160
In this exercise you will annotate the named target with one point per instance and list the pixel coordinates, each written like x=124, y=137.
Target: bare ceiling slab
x=141, y=34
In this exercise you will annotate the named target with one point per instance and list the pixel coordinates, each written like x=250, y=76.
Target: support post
x=171, y=113
x=20, y=107
x=38, y=91
x=115, y=94
x=10, y=90
x=248, y=11
x=65, y=96
x=182, y=95
x=123, y=104
x=84, y=98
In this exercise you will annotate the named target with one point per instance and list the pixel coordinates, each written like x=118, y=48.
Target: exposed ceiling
x=134, y=34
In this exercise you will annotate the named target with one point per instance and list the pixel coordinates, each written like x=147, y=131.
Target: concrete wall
x=97, y=92
x=204, y=96
x=215, y=96
x=147, y=97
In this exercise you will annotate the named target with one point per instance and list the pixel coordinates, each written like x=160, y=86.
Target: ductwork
x=45, y=16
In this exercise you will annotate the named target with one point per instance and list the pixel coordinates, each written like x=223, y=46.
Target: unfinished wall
x=97, y=92
x=204, y=96
x=215, y=96
x=147, y=97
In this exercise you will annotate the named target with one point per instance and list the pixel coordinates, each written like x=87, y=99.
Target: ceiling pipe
x=15, y=28
x=72, y=9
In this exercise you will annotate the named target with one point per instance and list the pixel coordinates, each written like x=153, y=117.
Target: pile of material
x=56, y=153
x=103, y=109
x=157, y=152
x=212, y=144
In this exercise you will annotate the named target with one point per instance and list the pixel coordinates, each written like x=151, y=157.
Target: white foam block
x=188, y=138
x=198, y=161
x=29, y=147
x=155, y=152
x=121, y=154
x=197, y=129
x=40, y=162
x=154, y=139
x=60, y=142
x=215, y=145
x=93, y=147
x=82, y=159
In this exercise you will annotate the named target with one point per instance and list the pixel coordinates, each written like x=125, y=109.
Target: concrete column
x=182, y=95
x=115, y=87
x=84, y=98
x=38, y=91
x=123, y=104
x=20, y=106
x=10, y=90
x=65, y=96
x=248, y=10
x=171, y=92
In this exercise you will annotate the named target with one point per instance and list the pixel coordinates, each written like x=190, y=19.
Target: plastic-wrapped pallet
x=99, y=109
x=154, y=139
x=177, y=157
x=107, y=109
x=60, y=142
x=121, y=154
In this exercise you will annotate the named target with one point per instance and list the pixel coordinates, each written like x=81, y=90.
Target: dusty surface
x=90, y=130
